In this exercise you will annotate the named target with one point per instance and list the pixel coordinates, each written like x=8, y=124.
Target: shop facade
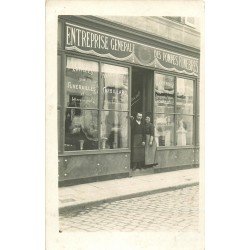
x=107, y=72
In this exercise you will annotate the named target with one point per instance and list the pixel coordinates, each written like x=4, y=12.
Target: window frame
x=195, y=116
x=85, y=109
x=61, y=107
x=128, y=111
x=99, y=108
x=193, y=25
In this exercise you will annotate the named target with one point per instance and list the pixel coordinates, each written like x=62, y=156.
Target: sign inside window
x=81, y=80
x=115, y=87
x=164, y=93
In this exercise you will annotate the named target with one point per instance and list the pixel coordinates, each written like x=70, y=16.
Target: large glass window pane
x=114, y=129
x=184, y=130
x=164, y=93
x=81, y=129
x=115, y=87
x=164, y=130
x=184, y=102
x=81, y=83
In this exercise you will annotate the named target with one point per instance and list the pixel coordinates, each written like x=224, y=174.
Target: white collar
x=139, y=122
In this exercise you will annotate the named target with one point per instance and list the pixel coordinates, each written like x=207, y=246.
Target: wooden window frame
x=99, y=109
x=195, y=114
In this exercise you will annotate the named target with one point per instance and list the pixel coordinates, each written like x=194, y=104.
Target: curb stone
x=81, y=205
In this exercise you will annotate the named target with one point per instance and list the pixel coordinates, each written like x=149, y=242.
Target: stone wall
x=162, y=27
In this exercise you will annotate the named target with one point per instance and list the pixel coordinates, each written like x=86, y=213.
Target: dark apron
x=138, y=151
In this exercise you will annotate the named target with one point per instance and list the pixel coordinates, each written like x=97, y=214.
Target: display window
x=174, y=110
x=96, y=107
x=115, y=107
x=96, y=113
x=81, y=100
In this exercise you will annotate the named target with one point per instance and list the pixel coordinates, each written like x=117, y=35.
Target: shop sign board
x=88, y=41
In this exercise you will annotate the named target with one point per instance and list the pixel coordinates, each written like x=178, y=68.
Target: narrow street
x=168, y=211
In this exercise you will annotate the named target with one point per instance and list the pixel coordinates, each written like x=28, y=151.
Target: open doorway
x=142, y=91
x=142, y=103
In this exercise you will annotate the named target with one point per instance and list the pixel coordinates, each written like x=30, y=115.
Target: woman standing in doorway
x=150, y=145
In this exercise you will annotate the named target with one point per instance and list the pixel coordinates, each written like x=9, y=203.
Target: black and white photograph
x=128, y=125
x=125, y=125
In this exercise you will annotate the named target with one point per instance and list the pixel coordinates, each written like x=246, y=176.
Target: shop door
x=141, y=102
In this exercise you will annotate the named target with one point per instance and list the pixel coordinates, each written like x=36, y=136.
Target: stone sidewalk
x=75, y=197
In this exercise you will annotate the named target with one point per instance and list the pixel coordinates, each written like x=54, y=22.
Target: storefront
x=105, y=75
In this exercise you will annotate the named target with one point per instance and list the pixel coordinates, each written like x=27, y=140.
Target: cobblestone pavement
x=168, y=211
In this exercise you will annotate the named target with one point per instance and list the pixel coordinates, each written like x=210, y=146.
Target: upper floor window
x=189, y=21
x=174, y=18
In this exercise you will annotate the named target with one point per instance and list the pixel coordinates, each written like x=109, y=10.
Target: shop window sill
x=176, y=147
x=95, y=152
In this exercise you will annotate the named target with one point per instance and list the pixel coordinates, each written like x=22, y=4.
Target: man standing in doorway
x=138, y=142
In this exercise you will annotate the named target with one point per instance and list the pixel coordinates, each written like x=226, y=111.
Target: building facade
x=110, y=68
